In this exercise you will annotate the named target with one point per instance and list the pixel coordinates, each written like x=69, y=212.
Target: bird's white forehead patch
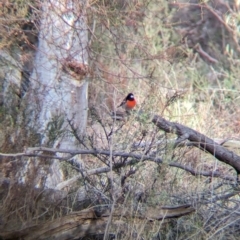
x=131, y=96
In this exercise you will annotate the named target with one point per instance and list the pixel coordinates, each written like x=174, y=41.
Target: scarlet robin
x=129, y=102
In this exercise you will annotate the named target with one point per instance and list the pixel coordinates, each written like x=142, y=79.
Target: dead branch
x=200, y=141
x=82, y=223
x=204, y=54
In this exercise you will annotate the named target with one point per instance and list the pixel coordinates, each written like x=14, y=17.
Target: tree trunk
x=59, y=88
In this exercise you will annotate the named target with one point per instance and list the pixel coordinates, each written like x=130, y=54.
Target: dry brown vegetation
x=181, y=60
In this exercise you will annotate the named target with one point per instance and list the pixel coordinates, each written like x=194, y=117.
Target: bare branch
x=204, y=54
x=135, y=158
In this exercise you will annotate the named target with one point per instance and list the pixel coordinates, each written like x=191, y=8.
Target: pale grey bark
x=56, y=96
x=63, y=34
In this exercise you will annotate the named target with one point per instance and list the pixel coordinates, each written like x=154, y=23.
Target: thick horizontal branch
x=200, y=141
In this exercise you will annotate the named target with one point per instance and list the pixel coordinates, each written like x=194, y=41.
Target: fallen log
x=88, y=222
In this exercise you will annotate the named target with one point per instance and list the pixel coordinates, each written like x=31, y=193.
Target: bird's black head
x=130, y=97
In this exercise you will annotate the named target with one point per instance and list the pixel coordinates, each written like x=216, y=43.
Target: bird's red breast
x=129, y=102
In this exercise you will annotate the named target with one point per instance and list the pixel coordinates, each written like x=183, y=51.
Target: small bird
x=129, y=102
